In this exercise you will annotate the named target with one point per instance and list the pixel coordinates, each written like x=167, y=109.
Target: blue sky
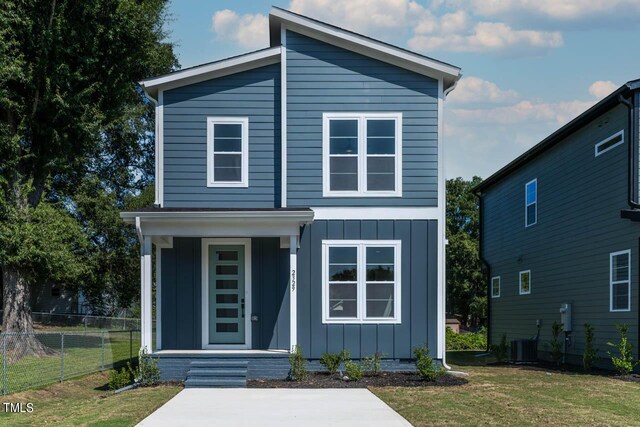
x=529, y=66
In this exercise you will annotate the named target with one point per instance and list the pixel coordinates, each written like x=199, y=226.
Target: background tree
x=466, y=290
x=75, y=134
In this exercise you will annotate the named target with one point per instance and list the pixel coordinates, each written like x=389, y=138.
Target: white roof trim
x=226, y=216
x=367, y=46
x=212, y=70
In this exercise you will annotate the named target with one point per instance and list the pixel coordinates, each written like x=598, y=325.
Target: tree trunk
x=16, y=317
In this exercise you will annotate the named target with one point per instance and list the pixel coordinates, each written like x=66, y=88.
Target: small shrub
x=590, y=354
x=427, y=369
x=298, y=371
x=353, y=370
x=372, y=364
x=501, y=351
x=332, y=361
x=625, y=363
x=120, y=378
x=148, y=371
x=556, y=343
x=466, y=341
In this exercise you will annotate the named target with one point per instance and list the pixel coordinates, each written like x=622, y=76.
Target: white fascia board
x=226, y=216
x=376, y=213
x=367, y=46
x=213, y=70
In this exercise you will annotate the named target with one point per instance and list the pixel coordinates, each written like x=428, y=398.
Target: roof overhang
x=279, y=18
x=211, y=70
x=219, y=223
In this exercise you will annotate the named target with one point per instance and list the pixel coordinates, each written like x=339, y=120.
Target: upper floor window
x=495, y=287
x=620, y=281
x=531, y=203
x=362, y=154
x=610, y=143
x=361, y=281
x=525, y=282
x=227, y=152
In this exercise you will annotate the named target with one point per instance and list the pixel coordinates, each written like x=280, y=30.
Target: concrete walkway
x=275, y=407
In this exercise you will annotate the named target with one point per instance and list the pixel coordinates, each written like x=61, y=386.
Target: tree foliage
x=466, y=290
x=75, y=136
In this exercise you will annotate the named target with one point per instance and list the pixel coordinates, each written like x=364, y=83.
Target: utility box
x=565, y=317
x=524, y=351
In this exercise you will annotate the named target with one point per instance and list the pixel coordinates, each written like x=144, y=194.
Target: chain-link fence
x=82, y=321
x=41, y=358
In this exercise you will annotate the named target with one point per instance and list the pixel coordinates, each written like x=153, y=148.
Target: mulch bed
x=385, y=379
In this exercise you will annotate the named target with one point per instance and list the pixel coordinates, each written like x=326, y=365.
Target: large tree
x=75, y=132
x=466, y=291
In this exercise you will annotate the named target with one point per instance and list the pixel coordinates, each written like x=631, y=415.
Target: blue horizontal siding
x=254, y=94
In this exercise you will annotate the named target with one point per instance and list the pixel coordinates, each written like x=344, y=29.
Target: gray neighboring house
x=299, y=202
x=559, y=226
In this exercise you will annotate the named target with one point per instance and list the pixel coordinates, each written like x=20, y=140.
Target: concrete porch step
x=215, y=382
x=223, y=364
x=212, y=372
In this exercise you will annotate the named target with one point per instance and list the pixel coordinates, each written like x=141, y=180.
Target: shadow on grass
x=469, y=358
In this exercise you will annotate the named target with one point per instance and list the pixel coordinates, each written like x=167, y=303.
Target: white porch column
x=146, y=276
x=293, y=292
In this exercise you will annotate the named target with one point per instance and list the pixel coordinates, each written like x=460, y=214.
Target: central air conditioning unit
x=525, y=351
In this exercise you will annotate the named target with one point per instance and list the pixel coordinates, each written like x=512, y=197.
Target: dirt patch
x=385, y=379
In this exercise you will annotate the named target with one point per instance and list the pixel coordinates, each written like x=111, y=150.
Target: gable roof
x=558, y=136
x=281, y=18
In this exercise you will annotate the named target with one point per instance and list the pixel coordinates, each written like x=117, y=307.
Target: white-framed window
x=362, y=154
x=610, y=143
x=495, y=287
x=620, y=281
x=531, y=203
x=525, y=282
x=361, y=281
x=227, y=151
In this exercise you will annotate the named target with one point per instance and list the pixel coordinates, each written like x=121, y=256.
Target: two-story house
x=299, y=202
x=558, y=231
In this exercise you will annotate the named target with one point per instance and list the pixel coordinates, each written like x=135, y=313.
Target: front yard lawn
x=508, y=395
x=86, y=402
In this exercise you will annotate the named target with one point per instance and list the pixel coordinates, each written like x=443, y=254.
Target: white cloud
x=476, y=90
x=488, y=37
x=602, y=88
x=248, y=31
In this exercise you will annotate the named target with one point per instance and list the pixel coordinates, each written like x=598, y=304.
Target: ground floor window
x=620, y=281
x=525, y=282
x=495, y=287
x=361, y=281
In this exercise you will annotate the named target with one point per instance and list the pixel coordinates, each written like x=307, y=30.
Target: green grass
x=84, y=402
x=83, y=354
x=518, y=396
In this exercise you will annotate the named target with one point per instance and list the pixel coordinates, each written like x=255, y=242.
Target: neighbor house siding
x=580, y=197
x=182, y=294
x=254, y=94
x=324, y=78
x=418, y=287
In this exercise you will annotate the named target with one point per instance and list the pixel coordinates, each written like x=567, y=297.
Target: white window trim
x=526, y=205
x=612, y=282
x=520, y=282
x=362, y=155
x=499, y=286
x=604, y=141
x=244, y=121
x=361, y=282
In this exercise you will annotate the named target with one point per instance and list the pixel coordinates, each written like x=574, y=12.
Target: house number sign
x=293, y=280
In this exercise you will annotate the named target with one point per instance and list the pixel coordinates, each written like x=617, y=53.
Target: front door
x=226, y=294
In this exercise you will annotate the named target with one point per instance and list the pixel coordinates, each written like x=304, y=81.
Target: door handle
x=242, y=305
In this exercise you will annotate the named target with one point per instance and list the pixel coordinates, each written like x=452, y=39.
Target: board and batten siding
x=182, y=294
x=325, y=78
x=254, y=94
x=580, y=197
x=418, y=289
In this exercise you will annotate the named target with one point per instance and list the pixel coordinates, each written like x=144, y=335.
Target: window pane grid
x=620, y=281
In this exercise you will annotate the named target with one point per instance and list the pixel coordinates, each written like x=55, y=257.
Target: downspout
x=633, y=149
x=444, y=285
x=486, y=268
x=139, y=232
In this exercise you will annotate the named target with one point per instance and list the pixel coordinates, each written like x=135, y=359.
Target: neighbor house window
x=361, y=281
x=227, y=152
x=531, y=203
x=620, y=281
x=525, y=282
x=495, y=287
x=362, y=154
x=610, y=143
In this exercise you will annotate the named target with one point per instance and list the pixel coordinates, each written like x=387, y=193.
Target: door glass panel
x=226, y=284
x=227, y=255
x=227, y=269
x=226, y=327
x=227, y=298
x=227, y=313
